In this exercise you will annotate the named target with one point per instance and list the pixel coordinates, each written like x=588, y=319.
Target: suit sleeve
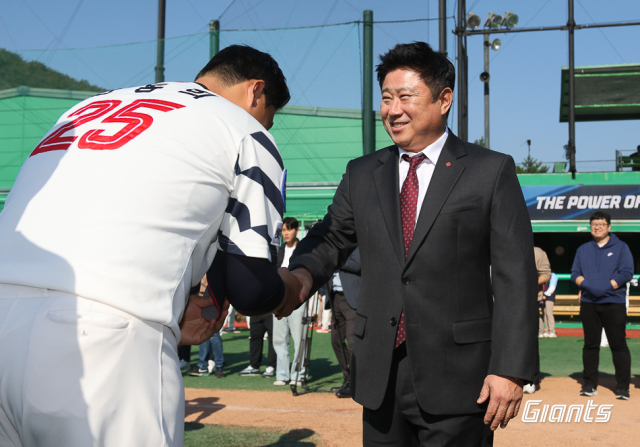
x=330, y=242
x=515, y=285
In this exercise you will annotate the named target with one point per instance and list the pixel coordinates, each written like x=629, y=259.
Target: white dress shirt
x=425, y=169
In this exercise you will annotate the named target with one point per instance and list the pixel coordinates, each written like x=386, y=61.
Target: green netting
x=322, y=64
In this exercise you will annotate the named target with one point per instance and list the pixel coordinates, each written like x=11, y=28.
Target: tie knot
x=414, y=161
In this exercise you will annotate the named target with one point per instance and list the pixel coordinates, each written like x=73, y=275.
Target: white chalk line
x=276, y=410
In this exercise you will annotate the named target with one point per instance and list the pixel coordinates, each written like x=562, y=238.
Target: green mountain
x=15, y=71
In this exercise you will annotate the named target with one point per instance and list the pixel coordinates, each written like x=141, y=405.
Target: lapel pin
x=448, y=164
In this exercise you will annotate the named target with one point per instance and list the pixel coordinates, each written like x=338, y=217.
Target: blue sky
x=323, y=66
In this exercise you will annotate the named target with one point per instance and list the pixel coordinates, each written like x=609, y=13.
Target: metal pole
x=162, y=7
x=462, y=71
x=442, y=11
x=214, y=38
x=368, y=117
x=572, y=98
x=486, y=92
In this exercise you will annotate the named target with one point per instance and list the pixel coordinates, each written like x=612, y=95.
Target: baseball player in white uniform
x=118, y=212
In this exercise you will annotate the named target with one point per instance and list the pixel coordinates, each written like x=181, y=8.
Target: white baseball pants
x=78, y=373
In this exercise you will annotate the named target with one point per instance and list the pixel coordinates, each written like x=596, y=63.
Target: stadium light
x=510, y=20
x=496, y=44
x=493, y=21
x=473, y=21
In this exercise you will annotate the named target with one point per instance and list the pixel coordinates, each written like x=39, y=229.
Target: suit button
x=405, y=281
x=393, y=321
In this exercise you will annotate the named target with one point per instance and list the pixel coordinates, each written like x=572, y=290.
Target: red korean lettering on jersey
x=135, y=123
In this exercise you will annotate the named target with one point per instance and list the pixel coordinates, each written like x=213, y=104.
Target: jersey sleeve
x=253, y=218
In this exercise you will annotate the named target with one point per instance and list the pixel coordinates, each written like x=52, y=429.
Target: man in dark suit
x=344, y=292
x=441, y=347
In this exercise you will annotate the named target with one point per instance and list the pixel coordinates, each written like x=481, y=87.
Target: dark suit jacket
x=280, y=257
x=350, y=280
x=460, y=326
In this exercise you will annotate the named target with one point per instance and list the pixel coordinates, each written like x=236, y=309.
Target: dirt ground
x=338, y=421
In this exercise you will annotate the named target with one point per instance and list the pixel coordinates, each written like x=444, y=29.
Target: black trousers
x=184, y=353
x=343, y=320
x=260, y=325
x=401, y=422
x=613, y=318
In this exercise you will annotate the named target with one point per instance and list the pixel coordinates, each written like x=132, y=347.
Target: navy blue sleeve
x=624, y=272
x=252, y=285
x=576, y=269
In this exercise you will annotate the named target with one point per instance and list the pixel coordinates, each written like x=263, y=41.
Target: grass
x=324, y=372
x=201, y=435
x=559, y=357
x=562, y=357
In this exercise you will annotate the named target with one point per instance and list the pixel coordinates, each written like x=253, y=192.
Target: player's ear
x=256, y=91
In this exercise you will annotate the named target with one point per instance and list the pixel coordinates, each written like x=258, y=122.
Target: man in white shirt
x=117, y=213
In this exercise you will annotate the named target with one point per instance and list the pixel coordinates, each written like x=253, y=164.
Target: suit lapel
x=442, y=182
x=386, y=178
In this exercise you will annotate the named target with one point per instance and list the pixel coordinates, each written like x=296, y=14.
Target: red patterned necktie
x=408, y=206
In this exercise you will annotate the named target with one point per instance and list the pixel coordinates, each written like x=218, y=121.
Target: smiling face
x=600, y=229
x=410, y=117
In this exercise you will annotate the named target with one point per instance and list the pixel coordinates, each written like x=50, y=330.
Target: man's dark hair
x=600, y=215
x=433, y=67
x=239, y=63
x=291, y=223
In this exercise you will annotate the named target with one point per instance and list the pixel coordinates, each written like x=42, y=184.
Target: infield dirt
x=338, y=421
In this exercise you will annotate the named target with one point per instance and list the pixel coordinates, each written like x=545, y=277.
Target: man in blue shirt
x=602, y=268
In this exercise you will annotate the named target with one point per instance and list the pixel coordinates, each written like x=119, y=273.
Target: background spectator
x=602, y=268
x=291, y=326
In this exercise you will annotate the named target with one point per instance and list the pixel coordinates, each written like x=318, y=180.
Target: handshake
x=297, y=285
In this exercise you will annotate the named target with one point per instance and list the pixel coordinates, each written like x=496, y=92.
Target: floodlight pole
x=571, y=24
x=486, y=92
x=214, y=38
x=162, y=7
x=442, y=29
x=368, y=117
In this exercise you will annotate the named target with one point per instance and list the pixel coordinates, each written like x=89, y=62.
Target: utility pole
x=368, y=117
x=214, y=38
x=442, y=30
x=571, y=24
x=462, y=71
x=162, y=7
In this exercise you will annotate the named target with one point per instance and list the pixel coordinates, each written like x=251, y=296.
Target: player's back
x=121, y=201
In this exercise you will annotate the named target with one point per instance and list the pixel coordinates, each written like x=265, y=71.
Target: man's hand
x=194, y=329
x=579, y=280
x=292, y=296
x=506, y=395
x=614, y=284
x=306, y=280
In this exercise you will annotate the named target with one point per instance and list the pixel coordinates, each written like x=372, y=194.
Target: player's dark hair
x=239, y=63
x=433, y=67
x=600, y=215
x=291, y=223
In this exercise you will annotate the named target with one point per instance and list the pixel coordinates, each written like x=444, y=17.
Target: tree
x=480, y=142
x=531, y=166
x=15, y=71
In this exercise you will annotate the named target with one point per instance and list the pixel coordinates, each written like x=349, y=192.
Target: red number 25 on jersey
x=135, y=123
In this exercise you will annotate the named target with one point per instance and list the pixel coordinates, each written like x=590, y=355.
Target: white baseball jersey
x=127, y=199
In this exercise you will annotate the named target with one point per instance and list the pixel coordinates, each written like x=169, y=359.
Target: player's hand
x=291, y=300
x=579, y=280
x=305, y=278
x=505, y=396
x=194, y=329
x=614, y=284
